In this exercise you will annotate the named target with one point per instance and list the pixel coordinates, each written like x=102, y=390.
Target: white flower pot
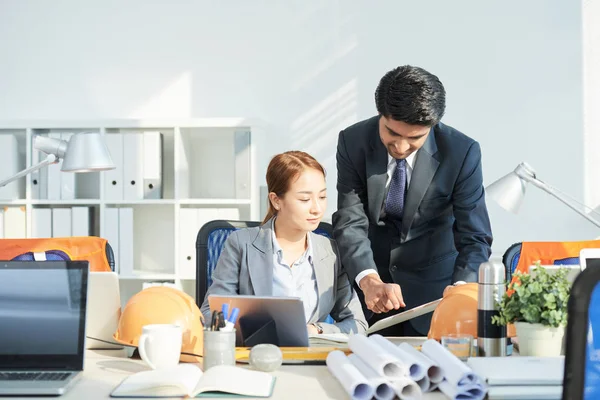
x=539, y=340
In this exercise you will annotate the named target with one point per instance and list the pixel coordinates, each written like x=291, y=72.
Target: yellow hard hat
x=457, y=313
x=162, y=305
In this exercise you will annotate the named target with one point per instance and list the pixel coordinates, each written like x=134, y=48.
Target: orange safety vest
x=549, y=252
x=84, y=248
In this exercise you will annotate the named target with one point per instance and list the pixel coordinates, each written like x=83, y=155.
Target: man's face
x=400, y=138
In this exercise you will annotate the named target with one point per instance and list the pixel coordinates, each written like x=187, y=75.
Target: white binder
x=67, y=179
x=111, y=233
x=153, y=145
x=80, y=221
x=113, y=179
x=15, y=223
x=126, y=241
x=61, y=222
x=188, y=229
x=9, y=152
x=54, y=183
x=35, y=178
x=242, y=164
x=41, y=223
x=133, y=166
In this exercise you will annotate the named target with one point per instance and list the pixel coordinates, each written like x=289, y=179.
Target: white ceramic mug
x=160, y=345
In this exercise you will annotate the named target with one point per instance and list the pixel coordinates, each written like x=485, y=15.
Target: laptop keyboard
x=34, y=376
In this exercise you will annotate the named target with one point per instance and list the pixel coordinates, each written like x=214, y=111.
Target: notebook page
x=179, y=381
x=230, y=379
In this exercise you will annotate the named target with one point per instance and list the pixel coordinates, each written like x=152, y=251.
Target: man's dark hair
x=412, y=95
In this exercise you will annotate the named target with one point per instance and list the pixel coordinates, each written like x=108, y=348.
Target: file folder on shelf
x=54, y=182
x=80, y=221
x=133, y=166
x=126, y=241
x=61, y=222
x=242, y=164
x=113, y=179
x=153, y=165
x=15, y=223
x=41, y=223
x=67, y=179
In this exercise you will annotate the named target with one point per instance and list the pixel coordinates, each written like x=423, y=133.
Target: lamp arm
x=564, y=199
x=50, y=159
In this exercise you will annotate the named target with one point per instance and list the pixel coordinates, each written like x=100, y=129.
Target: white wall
x=512, y=69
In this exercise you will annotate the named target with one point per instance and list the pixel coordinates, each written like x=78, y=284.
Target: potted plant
x=538, y=308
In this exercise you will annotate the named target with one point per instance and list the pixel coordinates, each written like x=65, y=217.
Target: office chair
x=209, y=244
x=581, y=378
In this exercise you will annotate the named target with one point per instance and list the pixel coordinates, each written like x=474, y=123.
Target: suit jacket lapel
x=324, y=270
x=423, y=171
x=376, y=174
x=260, y=262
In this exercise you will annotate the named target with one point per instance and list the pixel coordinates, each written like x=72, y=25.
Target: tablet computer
x=572, y=270
x=589, y=258
x=275, y=320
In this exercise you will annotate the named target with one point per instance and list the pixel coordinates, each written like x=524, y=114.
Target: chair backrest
x=582, y=355
x=209, y=244
x=521, y=255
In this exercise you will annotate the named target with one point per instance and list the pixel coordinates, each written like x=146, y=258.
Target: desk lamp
x=509, y=191
x=84, y=152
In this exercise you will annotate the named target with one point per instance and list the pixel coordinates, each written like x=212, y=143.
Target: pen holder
x=218, y=349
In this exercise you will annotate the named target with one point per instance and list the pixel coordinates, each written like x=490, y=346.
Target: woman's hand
x=312, y=329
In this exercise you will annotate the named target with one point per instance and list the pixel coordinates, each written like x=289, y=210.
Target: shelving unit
x=208, y=171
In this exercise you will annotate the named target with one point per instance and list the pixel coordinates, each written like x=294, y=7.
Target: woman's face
x=302, y=207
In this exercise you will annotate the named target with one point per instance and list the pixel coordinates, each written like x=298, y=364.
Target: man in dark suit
x=411, y=216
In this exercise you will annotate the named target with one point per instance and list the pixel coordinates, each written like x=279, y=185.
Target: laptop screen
x=42, y=314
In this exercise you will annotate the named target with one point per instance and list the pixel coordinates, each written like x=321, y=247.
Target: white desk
x=105, y=369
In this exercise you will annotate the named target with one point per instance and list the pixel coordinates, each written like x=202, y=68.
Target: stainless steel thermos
x=491, y=339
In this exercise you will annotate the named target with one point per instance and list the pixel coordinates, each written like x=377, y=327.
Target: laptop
x=519, y=377
x=103, y=310
x=275, y=320
x=42, y=326
x=519, y=370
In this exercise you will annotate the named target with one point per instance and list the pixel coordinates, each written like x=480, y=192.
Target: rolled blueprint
x=434, y=372
x=353, y=382
x=474, y=391
x=383, y=391
x=456, y=372
x=378, y=359
x=414, y=368
x=460, y=383
x=406, y=388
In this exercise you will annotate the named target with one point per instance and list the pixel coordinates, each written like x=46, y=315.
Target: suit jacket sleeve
x=347, y=310
x=350, y=221
x=226, y=276
x=472, y=230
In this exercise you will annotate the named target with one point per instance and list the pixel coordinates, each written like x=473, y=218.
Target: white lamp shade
x=508, y=192
x=87, y=152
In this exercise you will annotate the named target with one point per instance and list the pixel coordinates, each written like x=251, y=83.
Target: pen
x=213, y=321
x=225, y=310
x=234, y=315
x=220, y=321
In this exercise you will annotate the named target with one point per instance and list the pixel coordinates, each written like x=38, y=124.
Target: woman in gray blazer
x=284, y=258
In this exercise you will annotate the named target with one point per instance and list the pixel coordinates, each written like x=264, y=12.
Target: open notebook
x=189, y=380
